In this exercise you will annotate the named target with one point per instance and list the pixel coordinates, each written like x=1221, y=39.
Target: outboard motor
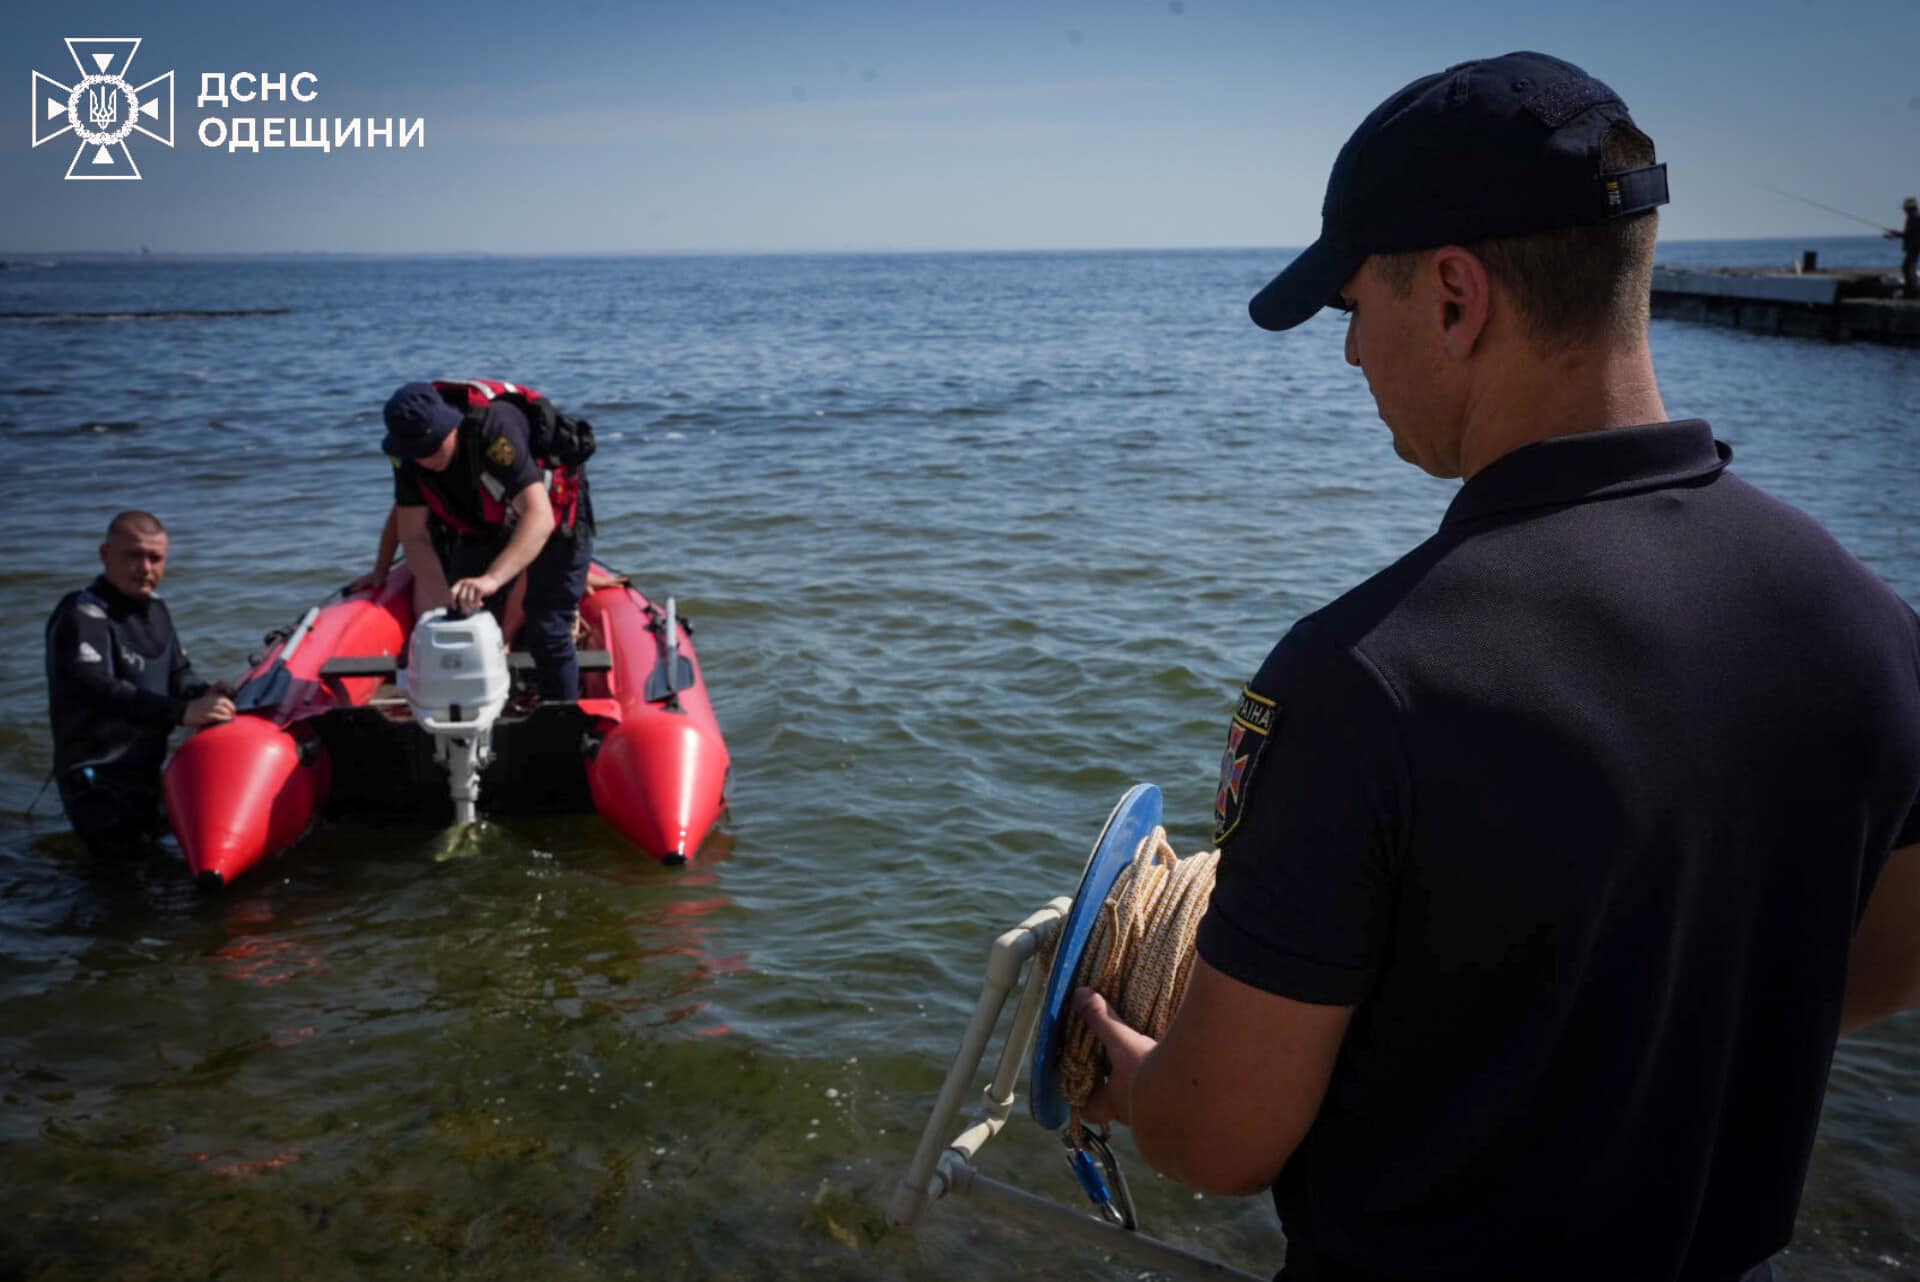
x=457, y=683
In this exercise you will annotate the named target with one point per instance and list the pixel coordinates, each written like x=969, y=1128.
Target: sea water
x=972, y=542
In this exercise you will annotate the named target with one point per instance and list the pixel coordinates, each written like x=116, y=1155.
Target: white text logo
x=103, y=108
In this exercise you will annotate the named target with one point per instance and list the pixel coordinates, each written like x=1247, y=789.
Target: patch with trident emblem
x=103, y=108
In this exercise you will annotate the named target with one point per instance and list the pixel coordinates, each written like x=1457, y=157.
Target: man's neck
x=1583, y=389
x=103, y=587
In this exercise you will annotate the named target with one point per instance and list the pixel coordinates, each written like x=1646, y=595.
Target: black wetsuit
x=118, y=682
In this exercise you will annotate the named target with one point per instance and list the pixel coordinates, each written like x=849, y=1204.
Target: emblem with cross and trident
x=114, y=108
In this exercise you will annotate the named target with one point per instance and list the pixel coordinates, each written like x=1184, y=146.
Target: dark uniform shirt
x=1910, y=235
x=118, y=681
x=1578, y=805
x=491, y=465
x=493, y=462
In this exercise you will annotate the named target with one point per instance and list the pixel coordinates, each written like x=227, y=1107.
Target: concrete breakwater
x=1837, y=304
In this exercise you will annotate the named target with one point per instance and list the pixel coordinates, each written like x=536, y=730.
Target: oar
x=265, y=691
x=674, y=671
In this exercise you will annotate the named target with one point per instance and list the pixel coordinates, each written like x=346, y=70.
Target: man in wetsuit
x=118, y=682
x=1909, y=238
x=1555, y=857
x=472, y=511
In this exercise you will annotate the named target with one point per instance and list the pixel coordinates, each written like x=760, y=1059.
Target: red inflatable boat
x=322, y=727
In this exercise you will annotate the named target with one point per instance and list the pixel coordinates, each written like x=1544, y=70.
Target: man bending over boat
x=1556, y=856
x=118, y=682
x=475, y=504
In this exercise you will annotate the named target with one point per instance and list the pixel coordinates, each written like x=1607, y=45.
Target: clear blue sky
x=587, y=126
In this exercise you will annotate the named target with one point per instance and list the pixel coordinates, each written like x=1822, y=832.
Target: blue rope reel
x=1137, y=814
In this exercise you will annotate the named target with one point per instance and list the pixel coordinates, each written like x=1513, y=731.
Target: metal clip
x=1086, y=1169
x=1116, y=1200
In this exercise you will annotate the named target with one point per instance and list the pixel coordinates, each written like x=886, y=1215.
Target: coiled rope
x=1138, y=956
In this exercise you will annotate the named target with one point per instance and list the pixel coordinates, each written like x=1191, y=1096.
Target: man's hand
x=1112, y=1101
x=1890, y=234
x=471, y=594
x=371, y=579
x=209, y=709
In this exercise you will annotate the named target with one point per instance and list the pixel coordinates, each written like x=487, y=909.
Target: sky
x=585, y=126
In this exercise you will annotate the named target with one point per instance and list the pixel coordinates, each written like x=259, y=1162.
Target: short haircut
x=135, y=522
x=1570, y=285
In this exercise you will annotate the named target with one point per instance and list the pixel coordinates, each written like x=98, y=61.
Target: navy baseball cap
x=418, y=419
x=1499, y=147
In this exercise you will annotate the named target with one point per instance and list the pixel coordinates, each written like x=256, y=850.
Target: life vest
x=565, y=485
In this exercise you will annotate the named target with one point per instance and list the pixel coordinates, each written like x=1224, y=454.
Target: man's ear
x=1465, y=293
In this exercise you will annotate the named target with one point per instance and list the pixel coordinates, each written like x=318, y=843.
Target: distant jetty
x=1837, y=304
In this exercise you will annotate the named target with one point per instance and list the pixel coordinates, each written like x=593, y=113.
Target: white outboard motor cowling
x=457, y=684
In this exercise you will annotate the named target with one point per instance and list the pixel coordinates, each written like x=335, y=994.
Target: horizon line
x=9, y=256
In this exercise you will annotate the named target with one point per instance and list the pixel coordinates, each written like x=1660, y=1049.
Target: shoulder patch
x=92, y=611
x=501, y=452
x=1253, y=721
x=88, y=654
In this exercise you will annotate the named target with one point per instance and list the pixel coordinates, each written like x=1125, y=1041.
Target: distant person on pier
x=1556, y=856
x=118, y=682
x=1909, y=238
x=477, y=500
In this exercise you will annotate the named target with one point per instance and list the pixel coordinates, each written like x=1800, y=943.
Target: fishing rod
x=1830, y=209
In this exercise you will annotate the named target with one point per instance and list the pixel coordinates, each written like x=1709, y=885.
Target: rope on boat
x=1139, y=955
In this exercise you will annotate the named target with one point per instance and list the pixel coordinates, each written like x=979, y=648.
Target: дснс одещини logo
x=103, y=108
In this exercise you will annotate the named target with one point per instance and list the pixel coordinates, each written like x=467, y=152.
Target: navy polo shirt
x=1578, y=805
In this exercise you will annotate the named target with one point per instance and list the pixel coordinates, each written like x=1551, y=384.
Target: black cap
x=1499, y=147
x=418, y=419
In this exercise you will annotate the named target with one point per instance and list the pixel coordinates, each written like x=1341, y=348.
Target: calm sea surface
x=973, y=543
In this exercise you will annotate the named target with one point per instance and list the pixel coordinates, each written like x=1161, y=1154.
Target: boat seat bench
x=385, y=665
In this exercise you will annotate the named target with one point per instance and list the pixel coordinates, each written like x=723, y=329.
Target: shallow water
x=973, y=542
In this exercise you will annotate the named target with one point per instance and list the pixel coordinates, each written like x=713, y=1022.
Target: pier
x=1837, y=304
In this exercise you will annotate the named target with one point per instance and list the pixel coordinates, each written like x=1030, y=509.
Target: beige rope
x=1138, y=956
